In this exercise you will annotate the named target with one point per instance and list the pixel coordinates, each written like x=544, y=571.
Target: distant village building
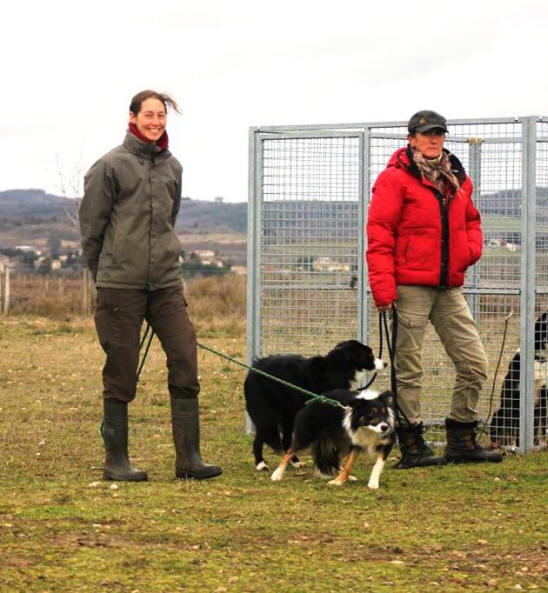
x=326, y=264
x=219, y=199
x=28, y=249
x=205, y=255
x=23, y=248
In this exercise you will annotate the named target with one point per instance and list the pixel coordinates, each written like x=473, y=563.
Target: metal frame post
x=474, y=153
x=363, y=304
x=254, y=233
x=527, y=304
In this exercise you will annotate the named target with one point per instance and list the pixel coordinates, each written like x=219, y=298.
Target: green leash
x=313, y=396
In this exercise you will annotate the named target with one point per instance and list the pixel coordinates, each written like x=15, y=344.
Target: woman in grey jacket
x=127, y=217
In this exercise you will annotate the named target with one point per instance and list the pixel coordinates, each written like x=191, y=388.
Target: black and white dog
x=364, y=421
x=504, y=428
x=272, y=406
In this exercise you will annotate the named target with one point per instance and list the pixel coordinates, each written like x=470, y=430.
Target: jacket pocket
x=417, y=251
x=412, y=320
x=402, y=246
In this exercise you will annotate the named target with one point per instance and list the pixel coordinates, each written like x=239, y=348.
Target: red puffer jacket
x=416, y=236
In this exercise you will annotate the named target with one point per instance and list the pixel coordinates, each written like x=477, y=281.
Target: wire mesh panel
x=309, y=242
x=311, y=192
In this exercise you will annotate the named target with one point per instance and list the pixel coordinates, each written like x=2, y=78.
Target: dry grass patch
x=459, y=528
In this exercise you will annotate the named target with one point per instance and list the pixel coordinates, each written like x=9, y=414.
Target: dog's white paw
x=335, y=482
x=298, y=464
x=262, y=467
x=373, y=485
x=277, y=475
x=352, y=479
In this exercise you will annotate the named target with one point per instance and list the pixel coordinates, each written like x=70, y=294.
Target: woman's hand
x=381, y=308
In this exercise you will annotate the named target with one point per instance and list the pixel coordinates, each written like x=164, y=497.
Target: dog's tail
x=326, y=456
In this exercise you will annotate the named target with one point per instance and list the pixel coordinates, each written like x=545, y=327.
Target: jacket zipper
x=150, y=229
x=444, y=211
x=444, y=241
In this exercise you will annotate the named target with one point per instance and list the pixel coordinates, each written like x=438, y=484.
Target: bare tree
x=71, y=188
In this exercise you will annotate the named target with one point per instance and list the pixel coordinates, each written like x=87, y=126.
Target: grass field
x=459, y=528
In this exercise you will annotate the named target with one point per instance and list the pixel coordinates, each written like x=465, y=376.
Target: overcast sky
x=69, y=70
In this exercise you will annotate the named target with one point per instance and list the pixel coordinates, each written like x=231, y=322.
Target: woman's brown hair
x=136, y=102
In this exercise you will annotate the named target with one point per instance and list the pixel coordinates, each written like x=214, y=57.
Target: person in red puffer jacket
x=423, y=232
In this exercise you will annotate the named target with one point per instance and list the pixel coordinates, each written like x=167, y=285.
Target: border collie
x=504, y=428
x=364, y=421
x=272, y=406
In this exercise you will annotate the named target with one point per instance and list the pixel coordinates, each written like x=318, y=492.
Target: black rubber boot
x=185, y=423
x=462, y=446
x=414, y=451
x=115, y=433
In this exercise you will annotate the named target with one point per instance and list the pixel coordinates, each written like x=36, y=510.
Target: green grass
x=458, y=528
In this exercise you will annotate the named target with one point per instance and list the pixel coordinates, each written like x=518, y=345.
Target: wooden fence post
x=87, y=291
x=6, y=291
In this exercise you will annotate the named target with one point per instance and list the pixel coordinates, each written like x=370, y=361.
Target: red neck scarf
x=161, y=143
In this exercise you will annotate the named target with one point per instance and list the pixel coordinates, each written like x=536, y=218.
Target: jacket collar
x=146, y=150
x=404, y=158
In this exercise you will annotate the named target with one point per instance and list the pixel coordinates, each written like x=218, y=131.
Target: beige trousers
x=448, y=312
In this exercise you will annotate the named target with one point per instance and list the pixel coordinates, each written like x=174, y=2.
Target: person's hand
x=381, y=308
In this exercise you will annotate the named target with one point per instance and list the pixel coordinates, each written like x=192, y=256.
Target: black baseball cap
x=426, y=120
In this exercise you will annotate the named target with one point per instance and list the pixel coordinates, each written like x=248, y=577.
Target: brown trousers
x=119, y=317
x=448, y=312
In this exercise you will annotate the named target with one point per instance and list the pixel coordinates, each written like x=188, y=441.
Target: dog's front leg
x=278, y=473
x=382, y=456
x=345, y=472
x=376, y=472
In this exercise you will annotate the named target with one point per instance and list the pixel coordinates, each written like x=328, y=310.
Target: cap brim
x=427, y=127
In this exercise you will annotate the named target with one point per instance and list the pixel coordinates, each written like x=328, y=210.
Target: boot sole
x=188, y=475
x=124, y=478
x=461, y=460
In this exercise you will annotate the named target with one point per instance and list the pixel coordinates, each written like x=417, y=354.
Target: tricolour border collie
x=272, y=406
x=504, y=428
x=365, y=420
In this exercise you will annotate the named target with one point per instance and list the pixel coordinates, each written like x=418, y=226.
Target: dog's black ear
x=354, y=402
x=350, y=353
x=541, y=331
x=387, y=398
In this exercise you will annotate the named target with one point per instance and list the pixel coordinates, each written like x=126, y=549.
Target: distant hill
x=212, y=216
x=27, y=214
x=31, y=215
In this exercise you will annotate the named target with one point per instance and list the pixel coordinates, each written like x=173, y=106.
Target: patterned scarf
x=437, y=171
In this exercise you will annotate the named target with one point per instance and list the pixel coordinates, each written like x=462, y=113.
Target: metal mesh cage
x=310, y=189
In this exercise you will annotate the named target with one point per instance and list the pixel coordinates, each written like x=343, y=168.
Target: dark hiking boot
x=114, y=430
x=462, y=446
x=414, y=451
x=186, y=437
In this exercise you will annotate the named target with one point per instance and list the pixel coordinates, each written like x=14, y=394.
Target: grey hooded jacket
x=127, y=217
